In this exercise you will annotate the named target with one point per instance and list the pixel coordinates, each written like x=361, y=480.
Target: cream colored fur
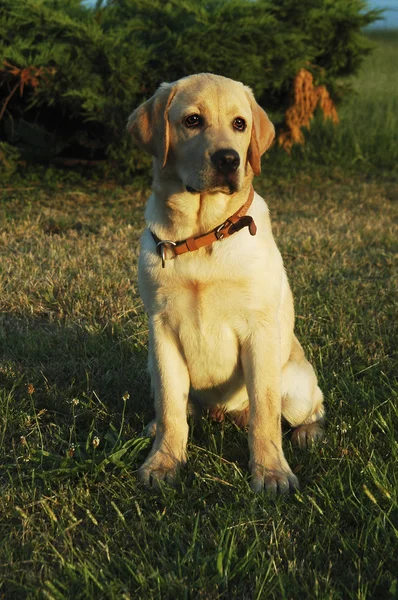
x=221, y=318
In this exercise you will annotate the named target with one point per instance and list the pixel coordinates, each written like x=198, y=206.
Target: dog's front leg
x=262, y=370
x=170, y=383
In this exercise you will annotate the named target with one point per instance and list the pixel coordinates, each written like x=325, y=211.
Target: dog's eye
x=240, y=124
x=192, y=121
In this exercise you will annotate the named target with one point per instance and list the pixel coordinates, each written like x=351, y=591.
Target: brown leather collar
x=234, y=223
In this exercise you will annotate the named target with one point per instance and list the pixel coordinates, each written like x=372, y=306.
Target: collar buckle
x=218, y=232
x=161, y=250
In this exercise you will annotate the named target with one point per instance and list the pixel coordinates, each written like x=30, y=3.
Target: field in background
x=74, y=395
x=367, y=137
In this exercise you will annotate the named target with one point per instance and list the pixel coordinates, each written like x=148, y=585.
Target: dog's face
x=206, y=130
x=210, y=127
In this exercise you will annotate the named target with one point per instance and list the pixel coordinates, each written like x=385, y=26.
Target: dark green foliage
x=97, y=65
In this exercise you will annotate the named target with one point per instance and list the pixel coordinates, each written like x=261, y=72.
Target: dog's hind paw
x=305, y=436
x=150, y=429
x=158, y=467
x=240, y=417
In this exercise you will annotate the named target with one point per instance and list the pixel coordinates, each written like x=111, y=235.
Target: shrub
x=9, y=157
x=70, y=75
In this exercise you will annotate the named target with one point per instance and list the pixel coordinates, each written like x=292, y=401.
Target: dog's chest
x=202, y=305
x=208, y=302
x=207, y=311
x=206, y=317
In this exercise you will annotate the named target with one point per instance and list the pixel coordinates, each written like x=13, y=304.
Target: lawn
x=74, y=398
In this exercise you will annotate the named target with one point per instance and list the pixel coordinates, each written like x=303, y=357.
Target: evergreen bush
x=70, y=75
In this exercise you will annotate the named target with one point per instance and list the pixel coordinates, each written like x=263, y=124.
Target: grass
x=74, y=397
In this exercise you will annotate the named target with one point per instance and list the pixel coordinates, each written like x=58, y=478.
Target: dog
x=221, y=315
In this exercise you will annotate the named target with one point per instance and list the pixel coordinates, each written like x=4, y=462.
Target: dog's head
x=206, y=130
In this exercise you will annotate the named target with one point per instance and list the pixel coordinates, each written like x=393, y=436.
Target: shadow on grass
x=63, y=384
x=64, y=388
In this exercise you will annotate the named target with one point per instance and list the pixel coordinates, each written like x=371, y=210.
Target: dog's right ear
x=149, y=123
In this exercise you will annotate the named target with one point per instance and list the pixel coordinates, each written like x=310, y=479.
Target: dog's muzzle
x=226, y=161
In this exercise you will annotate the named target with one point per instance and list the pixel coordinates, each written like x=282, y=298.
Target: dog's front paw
x=159, y=466
x=276, y=479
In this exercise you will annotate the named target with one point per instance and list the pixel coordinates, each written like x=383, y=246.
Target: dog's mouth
x=229, y=190
x=215, y=176
x=228, y=185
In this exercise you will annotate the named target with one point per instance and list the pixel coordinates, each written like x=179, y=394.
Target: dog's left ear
x=149, y=123
x=262, y=136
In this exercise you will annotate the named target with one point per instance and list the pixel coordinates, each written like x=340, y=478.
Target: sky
x=390, y=20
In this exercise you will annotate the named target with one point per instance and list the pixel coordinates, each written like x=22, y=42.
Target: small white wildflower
x=126, y=396
x=96, y=441
x=75, y=401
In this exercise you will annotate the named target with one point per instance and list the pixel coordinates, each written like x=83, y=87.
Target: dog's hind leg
x=150, y=429
x=302, y=400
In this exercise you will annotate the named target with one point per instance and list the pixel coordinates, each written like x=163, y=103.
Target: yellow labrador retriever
x=220, y=308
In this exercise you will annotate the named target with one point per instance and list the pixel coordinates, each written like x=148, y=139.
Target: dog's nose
x=226, y=161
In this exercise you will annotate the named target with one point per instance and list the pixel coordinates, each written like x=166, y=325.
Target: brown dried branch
x=306, y=98
x=27, y=76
